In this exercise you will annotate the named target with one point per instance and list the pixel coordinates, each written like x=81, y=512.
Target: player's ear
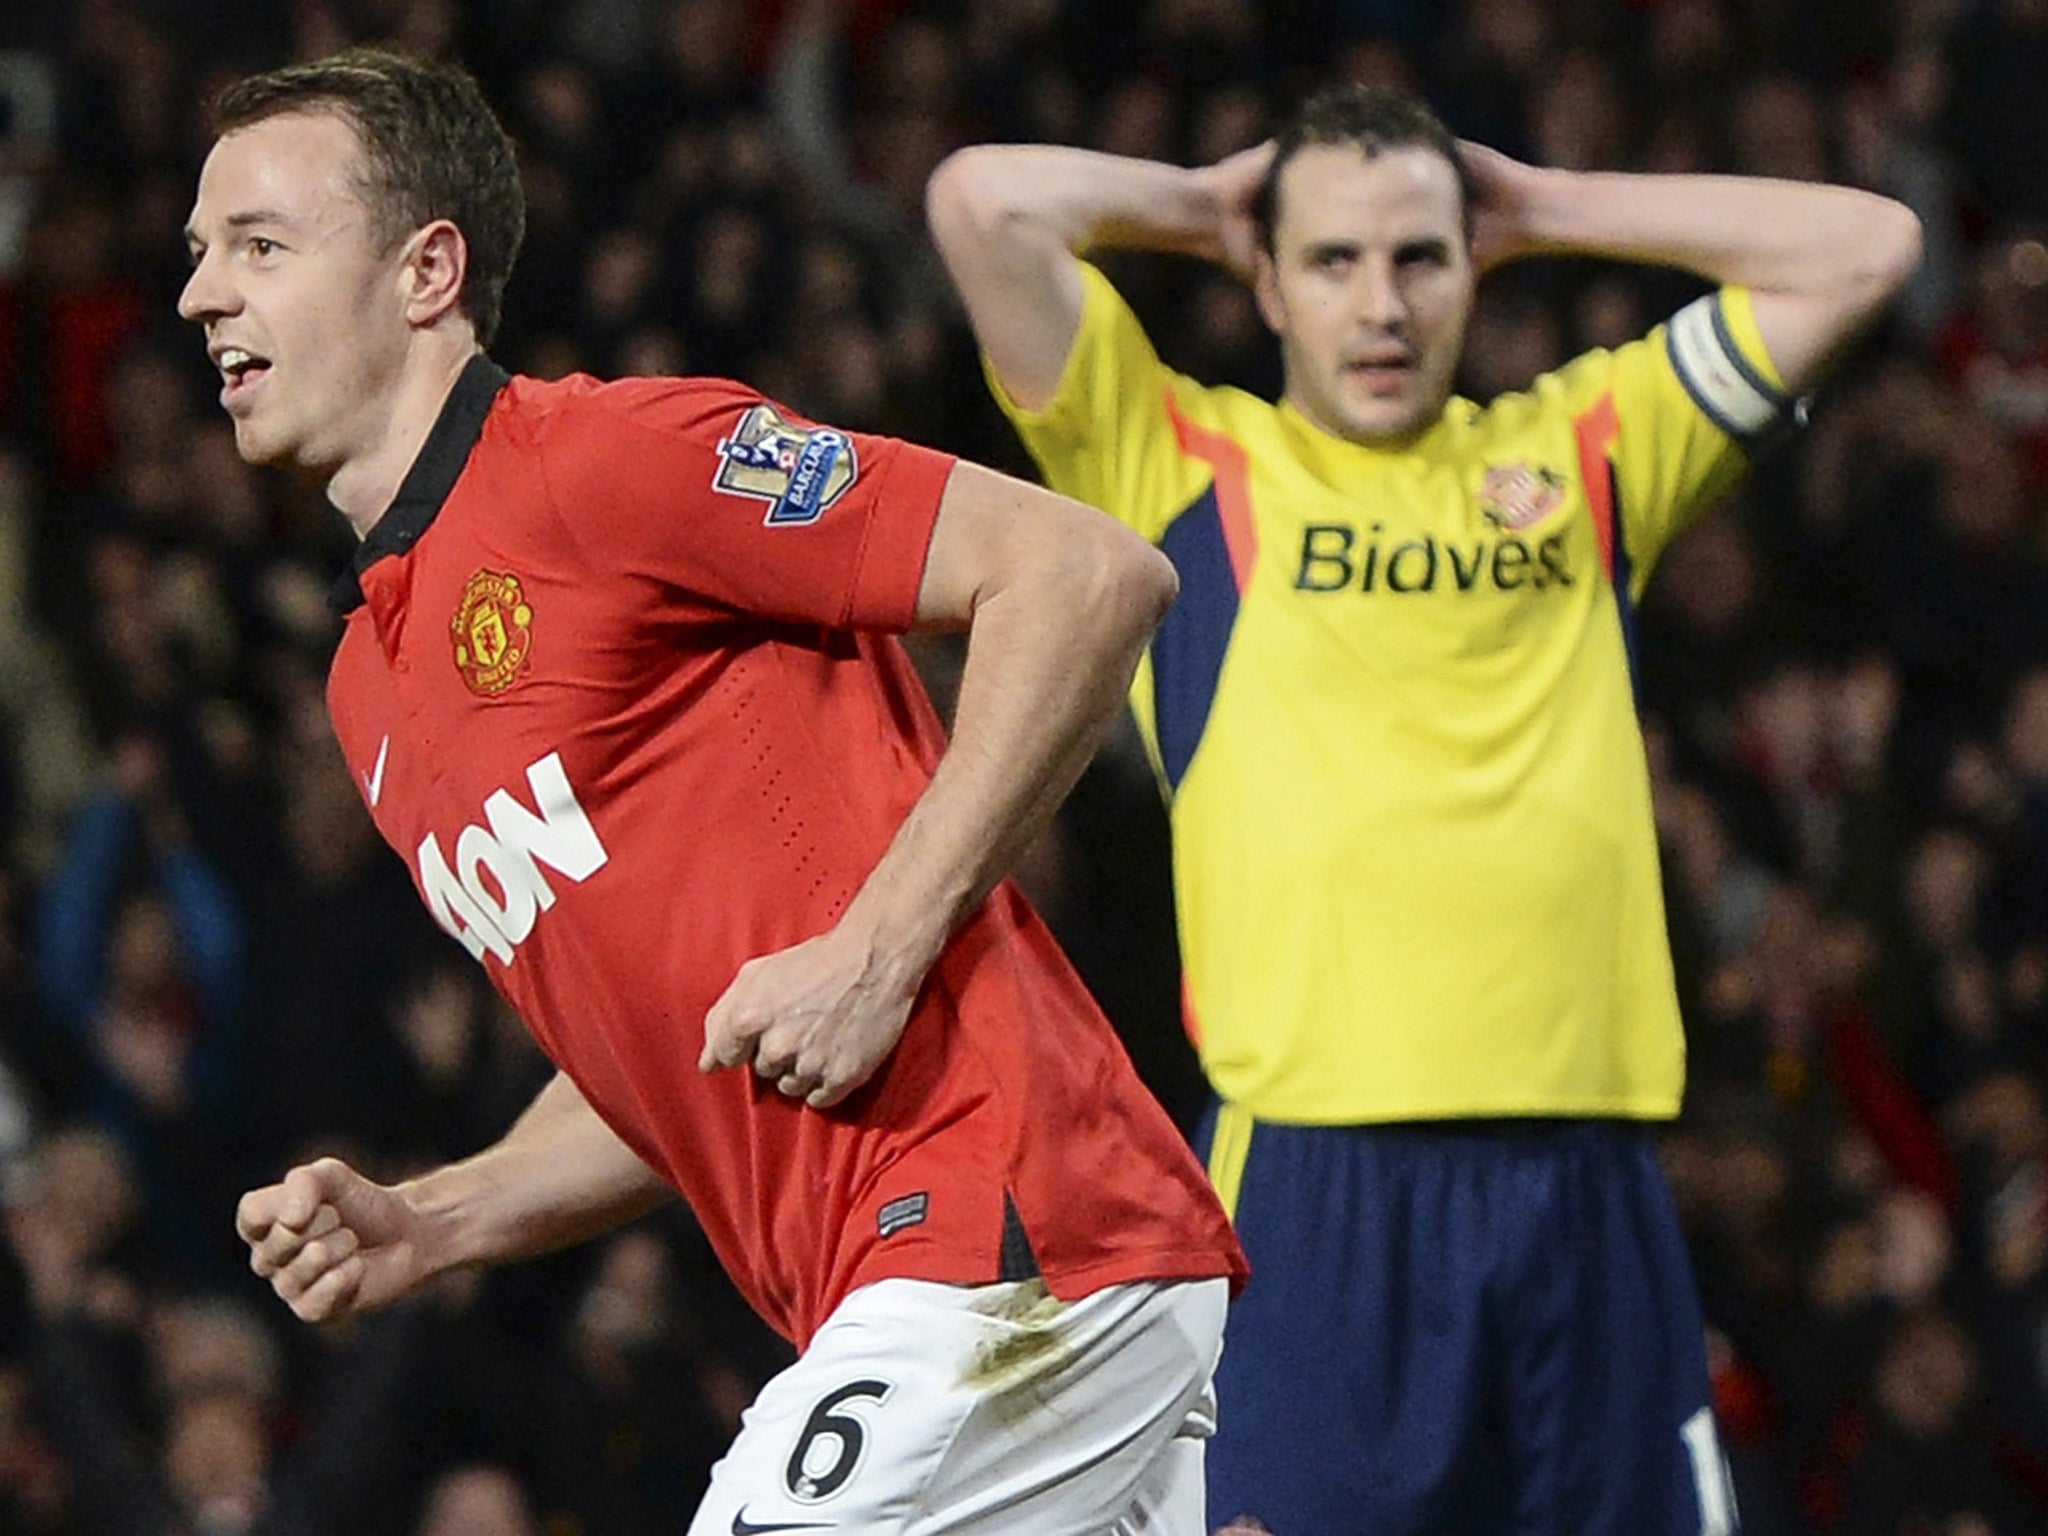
x=432, y=268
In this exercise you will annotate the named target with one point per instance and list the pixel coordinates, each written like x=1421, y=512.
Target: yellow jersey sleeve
x=1108, y=435
x=1670, y=420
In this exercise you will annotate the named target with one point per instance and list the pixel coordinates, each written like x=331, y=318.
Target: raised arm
x=1058, y=602
x=1822, y=261
x=333, y=1243
x=1010, y=220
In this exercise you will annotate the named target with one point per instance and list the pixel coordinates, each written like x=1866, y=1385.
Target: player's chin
x=254, y=444
x=258, y=445
x=1376, y=418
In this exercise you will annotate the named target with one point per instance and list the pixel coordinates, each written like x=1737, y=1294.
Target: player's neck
x=362, y=487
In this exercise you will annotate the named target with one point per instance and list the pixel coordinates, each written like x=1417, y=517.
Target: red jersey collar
x=432, y=476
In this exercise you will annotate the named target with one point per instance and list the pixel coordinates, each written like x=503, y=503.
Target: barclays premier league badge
x=798, y=471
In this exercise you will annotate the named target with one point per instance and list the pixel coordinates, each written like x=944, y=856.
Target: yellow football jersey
x=1392, y=709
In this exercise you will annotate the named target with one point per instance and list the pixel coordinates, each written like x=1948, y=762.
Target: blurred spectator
x=1999, y=1128
x=28, y=148
x=1891, y=140
x=1778, y=129
x=35, y=1492
x=477, y=1501
x=74, y=311
x=1924, y=1461
x=1490, y=63
x=213, y=1465
x=149, y=979
x=644, y=1401
x=1996, y=347
x=1514, y=335
x=1577, y=118
x=71, y=1229
x=2001, y=56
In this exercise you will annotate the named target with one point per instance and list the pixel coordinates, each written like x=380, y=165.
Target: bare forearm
x=558, y=1177
x=1822, y=261
x=1077, y=198
x=1051, y=651
x=1778, y=236
x=1031, y=713
x=1058, y=602
x=1010, y=221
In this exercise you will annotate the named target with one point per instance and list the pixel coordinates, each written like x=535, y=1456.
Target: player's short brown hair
x=1372, y=117
x=432, y=149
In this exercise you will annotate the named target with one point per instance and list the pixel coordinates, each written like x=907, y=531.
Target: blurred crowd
x=208, y=967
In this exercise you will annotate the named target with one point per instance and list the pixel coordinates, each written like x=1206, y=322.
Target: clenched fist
x=332, y=1243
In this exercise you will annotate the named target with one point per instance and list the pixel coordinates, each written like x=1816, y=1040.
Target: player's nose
x=1377, y=295
x=207, y=293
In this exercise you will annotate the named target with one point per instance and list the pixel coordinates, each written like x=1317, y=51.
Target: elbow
x=1161, y=585
x=1888, y=253
x=963, y=199
x=988, y=199
x=1130, y=584
x=1899, y=245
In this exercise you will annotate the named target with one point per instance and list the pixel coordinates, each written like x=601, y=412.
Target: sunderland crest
x=1513, y=496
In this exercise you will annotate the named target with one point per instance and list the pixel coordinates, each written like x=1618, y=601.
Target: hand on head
x=1499, y=192
x=1234, y=182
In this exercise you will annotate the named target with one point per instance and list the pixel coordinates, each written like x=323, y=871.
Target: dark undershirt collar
x=432, y=476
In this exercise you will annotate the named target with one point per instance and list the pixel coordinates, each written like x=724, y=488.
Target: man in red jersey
x=619, y=683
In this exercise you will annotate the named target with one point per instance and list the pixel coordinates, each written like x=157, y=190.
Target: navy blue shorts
x=1460, y=1330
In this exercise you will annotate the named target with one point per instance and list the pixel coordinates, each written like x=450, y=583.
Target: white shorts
x=940, y=1410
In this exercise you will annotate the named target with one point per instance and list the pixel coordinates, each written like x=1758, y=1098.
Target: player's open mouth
x=242, y=369
x=1379, y=375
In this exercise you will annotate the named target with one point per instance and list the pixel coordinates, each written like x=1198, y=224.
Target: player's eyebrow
x=243, y=220
x=1433, y=246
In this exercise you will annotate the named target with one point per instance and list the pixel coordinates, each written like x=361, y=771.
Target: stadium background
x=207, y=966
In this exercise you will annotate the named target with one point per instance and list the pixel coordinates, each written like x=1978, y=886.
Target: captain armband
x=1724, y=383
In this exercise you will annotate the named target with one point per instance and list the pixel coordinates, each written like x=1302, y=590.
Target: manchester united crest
x=493, y=632
x=1513, y=496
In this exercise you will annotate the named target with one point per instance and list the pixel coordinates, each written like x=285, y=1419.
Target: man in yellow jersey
x=1416, y=868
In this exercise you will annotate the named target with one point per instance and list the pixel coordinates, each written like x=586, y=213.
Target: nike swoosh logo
x=373, y=781
x=742, y=1526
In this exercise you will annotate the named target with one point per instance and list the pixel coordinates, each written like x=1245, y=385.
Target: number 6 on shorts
x=810, y=1476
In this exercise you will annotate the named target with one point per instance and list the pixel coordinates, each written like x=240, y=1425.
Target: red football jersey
x=620, y=688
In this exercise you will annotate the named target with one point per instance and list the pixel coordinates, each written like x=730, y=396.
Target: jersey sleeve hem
x=1070, y=1282
x=1738, y=311
x=898, y=541
x=1064, y=413
x=1718, y=354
